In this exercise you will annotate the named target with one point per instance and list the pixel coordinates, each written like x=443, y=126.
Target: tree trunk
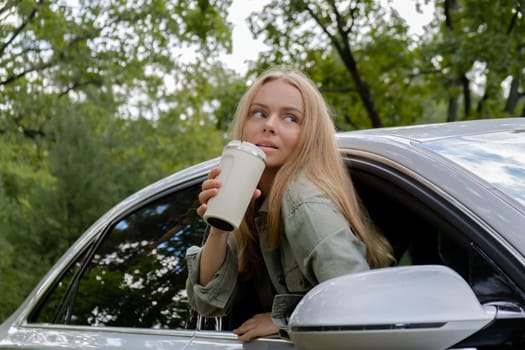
x=362, y=87
x=342, y=45
x=447, y=7
x=452, y=112
x=514, y=95
x=466, y=95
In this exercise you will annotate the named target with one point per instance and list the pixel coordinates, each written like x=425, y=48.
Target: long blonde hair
x=317, y=156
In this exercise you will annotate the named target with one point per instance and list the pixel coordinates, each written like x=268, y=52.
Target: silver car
x=449, y=197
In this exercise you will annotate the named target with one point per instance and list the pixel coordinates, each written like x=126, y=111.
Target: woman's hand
x=258, y=326
x=210, y=187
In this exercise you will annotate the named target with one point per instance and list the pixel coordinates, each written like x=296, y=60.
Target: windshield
x=498, y=158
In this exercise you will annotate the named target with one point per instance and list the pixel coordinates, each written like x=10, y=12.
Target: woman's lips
x=267, y=149
x=266, y=145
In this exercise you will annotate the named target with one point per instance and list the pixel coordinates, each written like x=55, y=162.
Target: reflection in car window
x=58, y=301
x=136, y=277
x=500, y=163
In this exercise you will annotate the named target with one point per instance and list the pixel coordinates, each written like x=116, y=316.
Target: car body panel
x=71, y=337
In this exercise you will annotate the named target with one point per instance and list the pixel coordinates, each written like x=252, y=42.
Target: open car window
x=424, y=229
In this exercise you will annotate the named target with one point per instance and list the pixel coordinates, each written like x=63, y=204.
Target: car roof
x=491, y=151
x=438, y=131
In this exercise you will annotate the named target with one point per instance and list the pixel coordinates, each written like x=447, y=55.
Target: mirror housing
x=409, y=307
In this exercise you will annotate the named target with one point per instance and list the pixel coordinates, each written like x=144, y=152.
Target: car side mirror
x=410, y=307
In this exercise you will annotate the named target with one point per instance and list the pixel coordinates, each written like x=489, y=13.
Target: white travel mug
x=242, y=164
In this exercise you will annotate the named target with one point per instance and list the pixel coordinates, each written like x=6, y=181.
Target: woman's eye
x=258, y=114
x=291, y=119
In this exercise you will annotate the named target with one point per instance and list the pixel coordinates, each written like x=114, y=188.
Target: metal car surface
x=450, y=195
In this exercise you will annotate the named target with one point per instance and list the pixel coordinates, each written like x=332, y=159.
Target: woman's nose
x=270, y=123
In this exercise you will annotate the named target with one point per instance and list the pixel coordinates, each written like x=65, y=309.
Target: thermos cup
x=242, y=164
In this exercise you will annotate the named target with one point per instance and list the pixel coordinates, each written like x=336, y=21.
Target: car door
x=126, y=287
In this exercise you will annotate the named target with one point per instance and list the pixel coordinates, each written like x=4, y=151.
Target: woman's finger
x=257, y=326
x=214, y=173
x=206, y=185
x=209, y=189
x=201, y=210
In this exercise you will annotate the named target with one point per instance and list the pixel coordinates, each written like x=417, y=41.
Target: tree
x=84, y=106
x=55, y=49
x=372, y=73
x=356, y=50
x=477, y=40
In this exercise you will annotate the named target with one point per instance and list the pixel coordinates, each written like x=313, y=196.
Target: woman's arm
x=213, y=255
x=214, y=250
x=213, y=298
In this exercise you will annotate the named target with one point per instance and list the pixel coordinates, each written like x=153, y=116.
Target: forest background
x=96, y=101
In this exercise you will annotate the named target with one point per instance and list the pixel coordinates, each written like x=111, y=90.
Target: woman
x=304, y=225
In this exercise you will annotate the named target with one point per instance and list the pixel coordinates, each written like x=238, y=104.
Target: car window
x=136, y=276
x=423, y=229
x=448, y=246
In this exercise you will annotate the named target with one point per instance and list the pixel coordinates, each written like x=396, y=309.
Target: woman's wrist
x=218, y=232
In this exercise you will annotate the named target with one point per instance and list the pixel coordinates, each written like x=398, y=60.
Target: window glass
x=437, y=242
x=57, y=302
x=488, y=282
x=498, y=158
x=136, y=277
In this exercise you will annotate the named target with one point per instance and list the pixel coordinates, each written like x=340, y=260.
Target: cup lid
x=247, y=147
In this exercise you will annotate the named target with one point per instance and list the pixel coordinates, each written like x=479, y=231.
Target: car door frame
x=485, y=239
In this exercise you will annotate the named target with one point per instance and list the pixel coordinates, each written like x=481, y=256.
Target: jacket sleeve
x=321, y=240
x=213, y=299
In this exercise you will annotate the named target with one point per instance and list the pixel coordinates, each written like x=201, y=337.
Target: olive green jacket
x=316, y=244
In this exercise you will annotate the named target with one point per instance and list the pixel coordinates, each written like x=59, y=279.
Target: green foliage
x=360, y=54
x=122, y=48
x=18, y=175
x=86, y=118
x=475, y=40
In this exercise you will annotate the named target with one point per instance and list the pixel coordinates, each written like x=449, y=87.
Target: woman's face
x=274, y=122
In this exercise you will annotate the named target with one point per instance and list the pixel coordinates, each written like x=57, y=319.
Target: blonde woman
x=304, y=225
